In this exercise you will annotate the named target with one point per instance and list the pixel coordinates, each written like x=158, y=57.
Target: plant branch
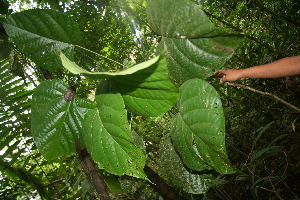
x=90, y=169
x=266, y=94
x=263, y=8
x=230, y=25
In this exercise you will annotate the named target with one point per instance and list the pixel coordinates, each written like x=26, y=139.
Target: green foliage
x=146, y=90
x=200, y=142
x=41, y=33
x=179, y=174
x=191, y=46
x=178, y=20
x=5, y=46
x=107, y=134
x=15, y=100
x=259, y=156
x=75, y=69
x=197, y=58
x=194, y=46
x=271, y=30
x=56, y=123
x=4, y=5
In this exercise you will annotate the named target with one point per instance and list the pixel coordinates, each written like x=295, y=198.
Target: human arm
x=288, y=66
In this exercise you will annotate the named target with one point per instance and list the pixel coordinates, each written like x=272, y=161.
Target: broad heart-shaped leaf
x=40, y=33
x=148, y=92
x=198, y=130
x=177, y=173
x=55, y=123
x=197, y=58
x=178, y=19
x=146, y=88
x=195, y=48
x=108, y=137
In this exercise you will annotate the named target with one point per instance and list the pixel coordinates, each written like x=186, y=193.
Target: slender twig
x=98, y=55
x=264, y=93
x=272, y=185
x=265, y=189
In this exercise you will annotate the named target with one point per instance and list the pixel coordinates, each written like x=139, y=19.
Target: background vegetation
x=262, y=133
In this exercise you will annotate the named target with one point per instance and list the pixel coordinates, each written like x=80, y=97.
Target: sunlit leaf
x=195, y=48
x=197, y=58
x=75, y=69
x=107, y=134
x=40, y=34
x=148, y=92
x=177, y=19
x=56, y=124
x=198, y=130
x=146, y=87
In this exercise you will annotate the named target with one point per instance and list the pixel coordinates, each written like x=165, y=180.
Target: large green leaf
x=184, y=19
x=148, y=92
x=56, y=124
x=40, y=33
x=107, y=134
x=178, y=18
x=195, y=48
x=197, y=58
x=178, y=174
x=146, y=88
x=198, y=130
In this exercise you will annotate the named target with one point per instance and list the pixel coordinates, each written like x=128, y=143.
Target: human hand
x=229, y=75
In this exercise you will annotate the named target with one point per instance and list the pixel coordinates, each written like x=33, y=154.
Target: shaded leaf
x=5, y=46
x=40, y=33
x=4, y=5
x=114, y=185
x=108, y=137
x=198, y=130
x=178, y=174
x=56, y=124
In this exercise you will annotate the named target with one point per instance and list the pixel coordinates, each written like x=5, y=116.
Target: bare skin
x=288, y=66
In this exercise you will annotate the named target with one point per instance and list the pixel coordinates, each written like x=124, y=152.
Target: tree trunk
x=90, y=169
